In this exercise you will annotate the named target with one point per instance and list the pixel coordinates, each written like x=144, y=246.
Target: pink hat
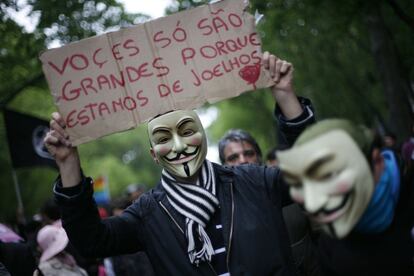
x=52, y=240
x=7, y=235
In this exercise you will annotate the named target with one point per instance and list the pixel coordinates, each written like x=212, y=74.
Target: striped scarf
x=197, y=203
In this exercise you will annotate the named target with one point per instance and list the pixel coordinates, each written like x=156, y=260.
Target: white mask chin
x=331, y=178
x=178, y=142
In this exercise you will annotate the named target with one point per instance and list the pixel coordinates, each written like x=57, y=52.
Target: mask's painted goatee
x=186, y=169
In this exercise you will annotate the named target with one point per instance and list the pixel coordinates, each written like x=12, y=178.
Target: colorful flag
x=101, y=190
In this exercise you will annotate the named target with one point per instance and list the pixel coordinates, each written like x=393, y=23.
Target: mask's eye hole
x=187, y=132
x=163, y=140
x=328, y=175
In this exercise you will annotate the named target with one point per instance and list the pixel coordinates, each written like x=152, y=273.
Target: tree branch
x=401, y=14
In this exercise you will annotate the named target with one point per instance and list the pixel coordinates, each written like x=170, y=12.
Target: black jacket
x=251, y=198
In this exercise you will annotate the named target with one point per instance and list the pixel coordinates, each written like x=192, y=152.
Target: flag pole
x=17, y=189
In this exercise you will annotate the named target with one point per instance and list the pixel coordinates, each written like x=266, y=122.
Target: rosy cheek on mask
x=162, y=150
x=342, y=188
x=195, y=141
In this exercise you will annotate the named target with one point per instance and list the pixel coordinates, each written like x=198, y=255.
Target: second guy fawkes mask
x=330, y=176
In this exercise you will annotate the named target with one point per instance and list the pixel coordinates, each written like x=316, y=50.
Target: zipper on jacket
x=231, y=227
x=212, y=268
x=171, y=217
x=181, y=229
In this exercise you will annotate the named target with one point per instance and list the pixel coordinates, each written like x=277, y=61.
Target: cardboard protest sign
x=113, y=82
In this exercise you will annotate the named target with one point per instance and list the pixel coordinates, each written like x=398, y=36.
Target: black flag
x=25, y=136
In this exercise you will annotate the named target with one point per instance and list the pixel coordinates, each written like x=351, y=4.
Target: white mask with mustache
x=178, y=142
x=331, y=178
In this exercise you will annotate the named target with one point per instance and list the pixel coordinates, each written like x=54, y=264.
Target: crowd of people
x=41, y=246
x=333, y=198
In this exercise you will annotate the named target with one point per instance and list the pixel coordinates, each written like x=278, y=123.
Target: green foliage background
x=329, y=43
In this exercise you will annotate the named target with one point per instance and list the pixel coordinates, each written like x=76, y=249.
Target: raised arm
x=293, y=113
x=90, y=235
x=66, y=156
x=281, y=72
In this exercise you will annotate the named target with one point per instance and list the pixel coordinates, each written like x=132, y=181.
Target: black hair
x=238, y=135
x=50, y=209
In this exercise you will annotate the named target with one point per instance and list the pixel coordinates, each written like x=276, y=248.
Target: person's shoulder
x=235, y=171
x=254, y=173
x=254, y=169
x=244, y=169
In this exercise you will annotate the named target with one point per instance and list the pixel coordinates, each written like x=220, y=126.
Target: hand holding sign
x=281, y=72
x=67, y=157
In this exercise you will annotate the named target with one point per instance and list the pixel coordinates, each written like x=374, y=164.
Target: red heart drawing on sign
x=250, y=73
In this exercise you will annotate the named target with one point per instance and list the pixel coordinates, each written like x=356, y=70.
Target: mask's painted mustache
x=328, y=212
x=182, y=153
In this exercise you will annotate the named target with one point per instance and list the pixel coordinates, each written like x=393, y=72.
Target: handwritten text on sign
x=116, y=81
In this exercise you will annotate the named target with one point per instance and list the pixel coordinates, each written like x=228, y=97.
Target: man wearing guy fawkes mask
x=202, y=218
x=356, y=193
x=178, y=142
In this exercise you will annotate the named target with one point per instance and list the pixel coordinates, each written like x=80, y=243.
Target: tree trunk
x=395, y=81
